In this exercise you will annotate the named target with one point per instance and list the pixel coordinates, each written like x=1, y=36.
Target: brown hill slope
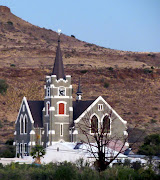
x=26, y=45
x=134, y=88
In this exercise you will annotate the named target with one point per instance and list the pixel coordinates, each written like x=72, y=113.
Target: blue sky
x=132, y=25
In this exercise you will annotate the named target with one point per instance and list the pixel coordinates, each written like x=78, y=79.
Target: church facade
x=60, y=119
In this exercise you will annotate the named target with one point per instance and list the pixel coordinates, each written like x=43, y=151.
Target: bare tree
x=104, y=146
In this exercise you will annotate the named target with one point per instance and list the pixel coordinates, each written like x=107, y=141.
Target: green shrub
x=110, y=68
x=153, y=121
x=106, y=84
x=10, y=23
x=83, y=71
x=66, y=171
x=147, y=71
x=3, y=86
x=12, y=65
x=73, y=36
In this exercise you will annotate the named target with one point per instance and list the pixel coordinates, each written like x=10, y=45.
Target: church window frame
x=47, y=108
x=108, y=131
x=25, y=147
x=23, y=109
x=58, y=107
x=91, y=129
x=100, y=107
x=21, y=124
x=25, y=124
x=61, y=129
x=21, y=147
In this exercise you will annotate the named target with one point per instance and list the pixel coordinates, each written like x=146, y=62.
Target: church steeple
x=58, y=68
x=79, y=92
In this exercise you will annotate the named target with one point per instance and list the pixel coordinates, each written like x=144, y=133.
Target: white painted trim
x=61, y=97
x=52, y=108
x=14, y=143
x=93, y=104
x=33, y=143
x=46, y=105
x=44, y=86
x=68, y=76
x=52, y=86
x=75, y=132
x=70, y=86
x=51, y=132
x=15, y=132
x=60, y=115
x=61, y=129
x=61, y=141
x=29, y=144
x=48, y=143
x=28, y=110
x=60, y=123
x=32, y=132
x=125, y=133
x=70, y=108
x=61, y=79
x=127, y=144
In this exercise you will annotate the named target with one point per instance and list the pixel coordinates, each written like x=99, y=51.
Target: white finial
x=59, y=31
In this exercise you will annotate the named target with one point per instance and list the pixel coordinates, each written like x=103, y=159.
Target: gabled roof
x=36, y=108
x=58, y=68
x=79, y=107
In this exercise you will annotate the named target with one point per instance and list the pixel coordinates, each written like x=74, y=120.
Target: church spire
x=58, y=68
x=79, y=92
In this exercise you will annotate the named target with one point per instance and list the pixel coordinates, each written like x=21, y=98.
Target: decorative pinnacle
x=59, y=32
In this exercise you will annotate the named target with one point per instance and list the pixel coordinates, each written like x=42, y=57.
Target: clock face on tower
x=61, y=91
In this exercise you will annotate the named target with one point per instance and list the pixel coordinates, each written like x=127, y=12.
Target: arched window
x=47, y=108
x=21, y=125
x=94, y=124
x=106, y=124
x=25, y=124
x=61, y=108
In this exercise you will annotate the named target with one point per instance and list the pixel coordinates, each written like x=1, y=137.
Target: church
x=61, y=119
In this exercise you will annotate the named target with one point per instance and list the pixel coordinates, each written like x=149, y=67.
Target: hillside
x=27, y=54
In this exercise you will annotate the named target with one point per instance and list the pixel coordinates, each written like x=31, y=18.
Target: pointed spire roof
x=79, y=87
x=58, y=68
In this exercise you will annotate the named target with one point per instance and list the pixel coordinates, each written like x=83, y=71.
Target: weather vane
x=59, y=32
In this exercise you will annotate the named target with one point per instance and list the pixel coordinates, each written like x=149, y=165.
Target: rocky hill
x=129, y=81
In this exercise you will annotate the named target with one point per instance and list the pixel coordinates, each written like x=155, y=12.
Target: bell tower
x=58, y=109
